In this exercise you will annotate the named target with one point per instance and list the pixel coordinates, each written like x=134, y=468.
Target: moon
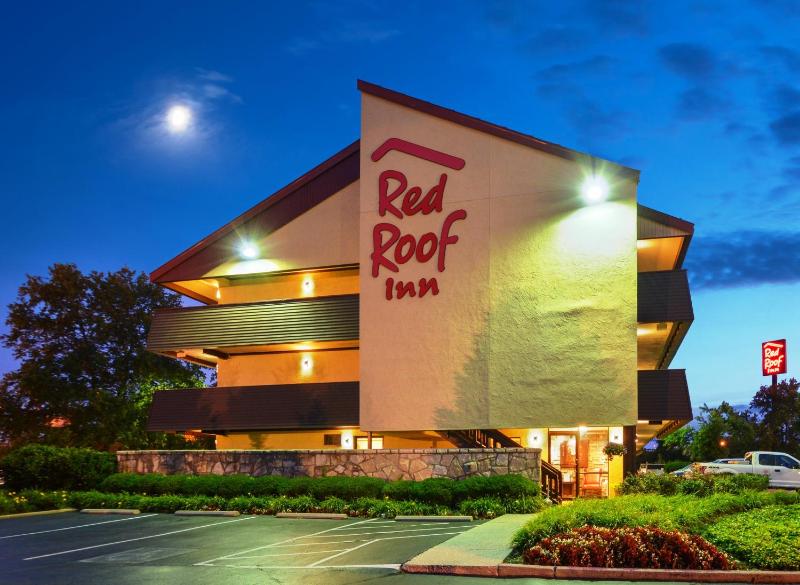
x=178, y=118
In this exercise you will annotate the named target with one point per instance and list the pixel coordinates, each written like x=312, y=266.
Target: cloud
x=598, y=64
x=784, y=98
x=689, y=60
x=555, y=39
x=786, y=129
x=343, y=31
x=622, y=16
x=699, y=103
x=744, y=259
x=787, y=57
x=211, y=75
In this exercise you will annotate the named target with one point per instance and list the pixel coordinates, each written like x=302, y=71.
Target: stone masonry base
x=392, y=464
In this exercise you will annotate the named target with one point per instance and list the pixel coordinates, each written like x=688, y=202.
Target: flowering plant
x=614, y=450
x=644, y=547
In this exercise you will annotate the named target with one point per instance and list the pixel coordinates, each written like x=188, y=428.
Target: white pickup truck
x=783, y=470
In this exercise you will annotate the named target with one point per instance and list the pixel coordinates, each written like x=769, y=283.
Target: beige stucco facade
x=535, y=321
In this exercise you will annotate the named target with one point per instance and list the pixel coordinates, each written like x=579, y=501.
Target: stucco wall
x=339, y=365
x=535, y=321
x=390, y=464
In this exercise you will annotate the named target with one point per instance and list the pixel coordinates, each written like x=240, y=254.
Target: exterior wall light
x=306, y=364
x=615, y=434
x=308, y=285
x=594, y=189
x=535, y=438
x=347, y=440
x=248, y=250
x=582, y=430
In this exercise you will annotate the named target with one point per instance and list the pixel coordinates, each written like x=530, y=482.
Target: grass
x=767, y=538
x=733, y=522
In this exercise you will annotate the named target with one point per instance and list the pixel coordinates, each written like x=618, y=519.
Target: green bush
x=671, y=466
x=697, y=485
x=434, y=491
x=52, y=468
x=682, y=512
x=767, y=538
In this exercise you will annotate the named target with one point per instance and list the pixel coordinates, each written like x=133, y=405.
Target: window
x=332, y=440
x=768, y=459
x=788, y=462
x=363, y=442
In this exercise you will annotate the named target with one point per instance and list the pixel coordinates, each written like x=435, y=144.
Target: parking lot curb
x=510, y=570
x=433, y=518
x=39, y=513
x=312, y=515
x=118, y=511
x=207, y=513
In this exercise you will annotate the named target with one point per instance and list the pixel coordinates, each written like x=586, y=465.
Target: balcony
x=664, y=315
x=206, y=334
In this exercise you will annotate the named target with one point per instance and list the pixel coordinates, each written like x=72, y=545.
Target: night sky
x=703, y=97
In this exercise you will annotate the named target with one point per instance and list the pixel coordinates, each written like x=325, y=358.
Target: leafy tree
x=777, y=414
x=678, y=445
x=85, y=377
x=723, y=432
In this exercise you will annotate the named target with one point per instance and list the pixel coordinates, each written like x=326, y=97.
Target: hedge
x=53, y=468
x=31, y=500
x=434, y=491
x=698, y=485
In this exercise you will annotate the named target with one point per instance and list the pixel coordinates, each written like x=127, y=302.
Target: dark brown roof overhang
x=253, y=408
x=664, y=395
x=670, y=221
x=272, y=213
x=487, y=127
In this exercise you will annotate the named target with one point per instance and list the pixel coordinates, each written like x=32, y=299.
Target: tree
x=678, y=445
x=777, y=414
x=85, y=377
x=723, y=432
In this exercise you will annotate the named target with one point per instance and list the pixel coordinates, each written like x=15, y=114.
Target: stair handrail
x=552, y=482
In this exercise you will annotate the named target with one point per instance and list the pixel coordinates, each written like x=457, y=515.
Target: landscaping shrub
x=53, y=468
x=767, y=538
x=638, y=547
x=483, y=507
x=434, y=491
x=671, y=466
x=698, y=485
x=682, y=512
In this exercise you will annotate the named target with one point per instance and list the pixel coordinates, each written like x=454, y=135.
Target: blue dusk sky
x=703, y=97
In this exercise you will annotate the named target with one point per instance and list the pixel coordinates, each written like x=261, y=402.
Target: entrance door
x=564, y=455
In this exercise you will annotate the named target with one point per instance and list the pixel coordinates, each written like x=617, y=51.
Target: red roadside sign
x=773, y=357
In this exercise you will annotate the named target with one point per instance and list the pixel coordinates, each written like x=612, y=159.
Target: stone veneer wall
x=383, y=463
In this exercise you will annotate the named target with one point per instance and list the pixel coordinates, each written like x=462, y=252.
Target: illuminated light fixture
x=178, y=118
x=218, y=294
x=347, y=440
x=582, y=430
x=535, y=438
x=594, y=189
x=308, y=285
x=248, y=250
x=306, y=364
x=642, y=331
x=640, y=244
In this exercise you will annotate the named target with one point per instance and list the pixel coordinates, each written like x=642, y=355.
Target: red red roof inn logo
x=391, y=248
x=773, y=357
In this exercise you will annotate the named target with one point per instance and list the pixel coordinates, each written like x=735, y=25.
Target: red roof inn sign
x=391, y=248
x=773, y=357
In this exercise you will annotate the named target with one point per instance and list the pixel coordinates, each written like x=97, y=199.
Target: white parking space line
x=74, y=550
x=280, y=542
x=344, y=552
x=390, y=566
x=384, y=532
x=79, y=526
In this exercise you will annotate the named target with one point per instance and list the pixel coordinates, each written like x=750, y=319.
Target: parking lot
x=159, y=548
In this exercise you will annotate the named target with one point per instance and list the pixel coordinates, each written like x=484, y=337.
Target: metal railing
x=552, y=483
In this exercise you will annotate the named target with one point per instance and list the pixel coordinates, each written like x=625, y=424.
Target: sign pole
x=774, y=383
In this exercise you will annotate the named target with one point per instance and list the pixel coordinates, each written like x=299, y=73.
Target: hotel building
x=442, y=282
